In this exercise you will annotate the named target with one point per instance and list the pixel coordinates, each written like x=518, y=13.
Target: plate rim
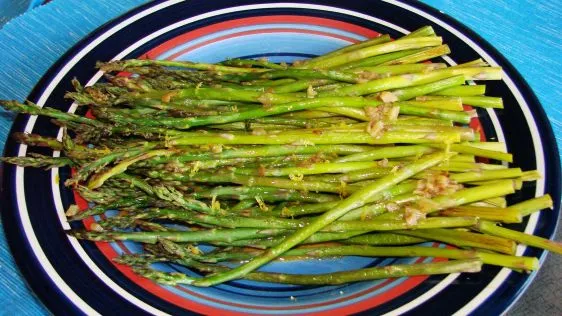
x=537, y=110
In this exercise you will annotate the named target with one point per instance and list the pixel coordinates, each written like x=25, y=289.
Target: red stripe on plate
x=261, y=31
x=285, y=19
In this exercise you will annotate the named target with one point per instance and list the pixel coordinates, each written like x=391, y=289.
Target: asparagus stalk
x=311, y=138
x=412, y=92
x=504, y=215
x=394, y=271
x=298, y=74
x=354, y=113
x=462, y=91
x=252, y=152
x=403, y=81
x=248, y=63
x=476, y=100
x=517, y=183
x=152, y=237
x=379, y=59
x=369, y=73
x=371, y=211
x=474, y=63
x=33, y=109
x=523, y=238
x=268, y=194
x=242, y=205
x=98, y=179
x=100, y=209
x=39, y=161
x=96, y=165
x=389, y=225
x=373, y=41
x=319, y=237
x=451, y=104
x=186, y=123
x=425, y=54
x=281, y=223
x=531, y=175
x=383, y=239
x=124, y=65
x=464, y=239
x=37, y=140
x=398, y=45
x=225, y=221
x=319, y=168
x=483, y=101
x=513, y=262
x=474, y=149
x=455, y=116
x=531, y=206
x=422, y=31
x=387, y=152
x=397, y=194
x=469, y=195
x=486, y=175
x=315, y=186
x=414, y=120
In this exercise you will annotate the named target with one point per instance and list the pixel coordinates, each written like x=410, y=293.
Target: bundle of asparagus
x=363, y=151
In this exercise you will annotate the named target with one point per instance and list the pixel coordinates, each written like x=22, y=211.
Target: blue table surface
x=527, y=32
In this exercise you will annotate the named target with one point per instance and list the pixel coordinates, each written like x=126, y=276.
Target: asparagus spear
x=178, y=236
x=473, y=100
x=261, y=151
x=395, y=82
x=513, y=262
x=98, y=179
x=37, y=140
x=412, y=92
x=123, y=65
x=34, y=109
x=468, y=90
x=387, y=152
x=374, y=41
x=394, y=271
x=380, y=59
x=186, y=123
x=243, y=63
x=269, y=194
x=328, y=137
x=425, y=54
x=464, y=239
x=39, y=161
x=533, y=205
x=527, y=239
x=398, y=45
x=383, y=239
x=504, y=215
x=369, y=73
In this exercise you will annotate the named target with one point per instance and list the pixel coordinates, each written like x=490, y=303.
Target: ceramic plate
x=79, y=276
